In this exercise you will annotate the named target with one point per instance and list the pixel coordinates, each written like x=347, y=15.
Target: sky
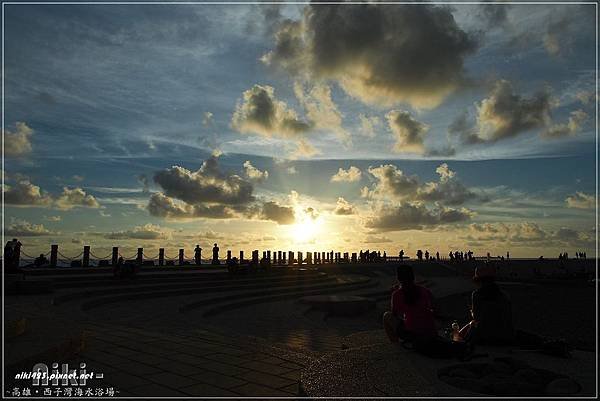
x=303, y=127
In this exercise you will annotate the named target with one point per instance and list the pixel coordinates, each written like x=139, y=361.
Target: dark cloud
x=570, y=128
x=213, y=194
x=448, y=190
x=161, y=205
x=275, y=212
x=415, y=216
x=75, y=197
x=391, y=182
x=259, y=112
x=206, y=185
x=505, y=114
x=379, y=54
x=24, y=193
x=409, y=133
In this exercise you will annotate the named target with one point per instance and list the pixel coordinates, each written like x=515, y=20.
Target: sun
x=305, y=229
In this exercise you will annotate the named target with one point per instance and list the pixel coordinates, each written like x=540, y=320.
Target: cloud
x=505, y=114
x=25, y=229
x=353, y=174
x=145, y=232
x=164, y=206
x=375, y=239
x=75, y=197
x=448, y=190
x=527, y=234
x=581, y=200
x=391, y=181
x=303, y=149
x=378, y=54
x=576, y=119
x=211, y=193
x=275, y=212
x=53, y=218
x=291, y=170
x=24, y=193
x=321, y=111
x=368, y=125
x=143, y=179
x=409, y=132
x=344, y=208
x=557, y=38
x=414, y=216
x=207, y=119
x=253, y=173
x=206, y=185
x=18, y=142
x=259, y=112
x=585, y=97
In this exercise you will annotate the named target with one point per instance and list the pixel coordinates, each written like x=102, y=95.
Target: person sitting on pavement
x=411, y=317
x=492, y=322
x=491, y=311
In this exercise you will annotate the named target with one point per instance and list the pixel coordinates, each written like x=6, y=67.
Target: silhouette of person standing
x=198, y=255
x=215, y=258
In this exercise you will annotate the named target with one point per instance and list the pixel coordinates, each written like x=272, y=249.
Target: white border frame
x=303, y=3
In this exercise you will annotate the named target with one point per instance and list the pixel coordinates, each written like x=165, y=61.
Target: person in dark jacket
x=491, y=311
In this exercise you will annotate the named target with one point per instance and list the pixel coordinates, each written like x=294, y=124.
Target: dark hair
x=405, y=273
x=406, y=276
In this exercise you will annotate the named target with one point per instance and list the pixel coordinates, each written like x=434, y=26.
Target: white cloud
x=353, y=174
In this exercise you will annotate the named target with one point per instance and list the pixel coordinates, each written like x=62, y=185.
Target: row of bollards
x=271, y=257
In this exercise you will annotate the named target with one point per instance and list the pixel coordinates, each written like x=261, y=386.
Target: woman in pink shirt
x=411, y=316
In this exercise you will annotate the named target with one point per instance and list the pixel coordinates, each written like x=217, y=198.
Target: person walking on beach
x=411, y=317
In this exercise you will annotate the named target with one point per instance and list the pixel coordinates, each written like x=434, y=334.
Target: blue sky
x=102, y=98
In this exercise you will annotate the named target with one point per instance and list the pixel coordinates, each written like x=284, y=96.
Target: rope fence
x=87, y=258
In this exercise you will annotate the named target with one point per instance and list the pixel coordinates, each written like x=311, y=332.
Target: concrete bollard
x=228, y=256
x=290, y=258
x=140, y=256
x=115, y=255
x=241, y=256
x=85, y=262
x=161, y=257
x=181, y=257
x=53, y=255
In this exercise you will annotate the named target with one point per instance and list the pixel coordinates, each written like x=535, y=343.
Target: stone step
x=202, y=284
x=94, y=303
x=287, y=295
x=109, y=280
